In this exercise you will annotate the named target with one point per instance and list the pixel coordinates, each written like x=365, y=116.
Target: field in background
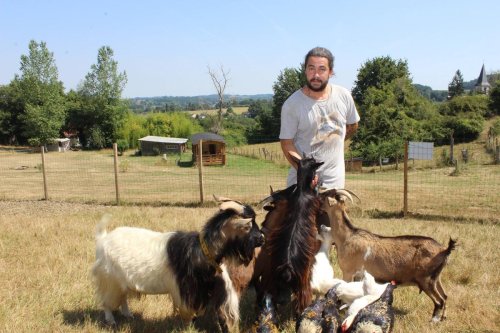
x=236, y=110
x=469, y=191
x=47, y=250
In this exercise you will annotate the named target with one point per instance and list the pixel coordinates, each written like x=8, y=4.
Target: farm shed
x=154, y=145
x=59, y=145
x=213, y=148
x=354, y=164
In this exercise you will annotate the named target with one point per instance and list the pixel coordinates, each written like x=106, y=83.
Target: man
x=317, y=118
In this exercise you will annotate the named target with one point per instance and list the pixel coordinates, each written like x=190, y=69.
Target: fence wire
x=462, y=191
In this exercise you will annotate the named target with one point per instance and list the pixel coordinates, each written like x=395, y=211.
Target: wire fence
x=466, y=190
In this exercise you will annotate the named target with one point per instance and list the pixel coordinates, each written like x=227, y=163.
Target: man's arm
x=287, y=146
x=350, y=129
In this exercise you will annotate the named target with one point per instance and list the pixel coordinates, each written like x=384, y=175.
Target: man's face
x=317, y=73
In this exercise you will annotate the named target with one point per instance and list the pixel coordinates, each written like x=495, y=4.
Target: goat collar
x=208, y=254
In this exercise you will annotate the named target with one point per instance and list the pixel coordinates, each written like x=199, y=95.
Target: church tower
x=482, y=85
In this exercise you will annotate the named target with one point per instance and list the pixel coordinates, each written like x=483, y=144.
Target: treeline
x=34, y=109
x=191, y=103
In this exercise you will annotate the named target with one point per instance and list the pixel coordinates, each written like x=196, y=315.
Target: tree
x=456, y=86
x=289, y=80
x=220, y=83
x=102, y=110
x=376, y=73
x=494, y=98
x=392, y=109
x=41, y=94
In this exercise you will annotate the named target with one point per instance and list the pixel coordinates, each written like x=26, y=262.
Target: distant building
x=60, y=145
x=482, y=84
x=213, y=148
x=155, y=145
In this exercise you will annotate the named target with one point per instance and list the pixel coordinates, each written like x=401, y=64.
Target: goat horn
x=265, y=201
x=237, y=207
x=353, y=194
x=242, y=221
x=221, y=199
x=345, y=193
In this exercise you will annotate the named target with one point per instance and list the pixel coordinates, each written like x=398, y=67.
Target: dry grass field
x=47, y=250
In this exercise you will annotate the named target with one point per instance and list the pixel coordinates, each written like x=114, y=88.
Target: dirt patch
x=27, y=208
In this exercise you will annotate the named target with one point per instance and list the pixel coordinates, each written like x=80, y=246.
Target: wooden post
x=45, y=191
x=452, y=143
x=405, y=190
x=117, y=189
x=200, y=168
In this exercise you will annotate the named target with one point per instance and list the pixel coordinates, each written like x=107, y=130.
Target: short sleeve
x=352, y=113
x=289, y=121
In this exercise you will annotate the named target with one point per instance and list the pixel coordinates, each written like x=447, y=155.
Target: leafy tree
x=288, y=81
x=465, y=128
x=41, y=108
x=392, y=110
x=469, y=104
x=494, y=98
x=133, y=129
x=102, y=110
x=11, y=107
x=456, y=86
x=376, y=73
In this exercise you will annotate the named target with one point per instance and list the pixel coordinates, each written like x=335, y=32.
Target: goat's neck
x=341, y=228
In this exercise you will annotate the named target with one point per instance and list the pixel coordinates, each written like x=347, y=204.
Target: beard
x=317, y=89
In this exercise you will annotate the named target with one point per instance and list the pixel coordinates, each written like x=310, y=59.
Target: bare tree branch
x=220, y=83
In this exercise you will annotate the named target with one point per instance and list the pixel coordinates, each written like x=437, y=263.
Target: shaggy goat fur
x=177, y=263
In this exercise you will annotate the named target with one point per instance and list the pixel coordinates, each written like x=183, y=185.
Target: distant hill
x=191, y=103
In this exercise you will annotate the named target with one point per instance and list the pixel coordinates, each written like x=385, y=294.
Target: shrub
x=465, y=128
x=122, y=146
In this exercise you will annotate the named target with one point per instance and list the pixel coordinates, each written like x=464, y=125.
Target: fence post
x=115, y=158
x=405, y=181
x=200, y=168
x=45, y=191
x=452, y=143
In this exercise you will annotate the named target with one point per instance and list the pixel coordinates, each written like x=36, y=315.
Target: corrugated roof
x=163, y=139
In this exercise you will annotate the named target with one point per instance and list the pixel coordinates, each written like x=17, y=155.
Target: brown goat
x=409, y=259
x=277, y=206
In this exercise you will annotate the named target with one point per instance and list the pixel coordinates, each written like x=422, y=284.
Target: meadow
x=47, y=247
x=47, y=250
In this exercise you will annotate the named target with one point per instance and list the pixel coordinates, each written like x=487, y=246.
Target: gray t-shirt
x=318, y=127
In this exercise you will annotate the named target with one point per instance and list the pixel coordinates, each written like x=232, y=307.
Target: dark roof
x=205, y=136
x=482, y=80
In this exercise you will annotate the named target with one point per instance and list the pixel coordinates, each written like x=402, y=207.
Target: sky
x=166, y=47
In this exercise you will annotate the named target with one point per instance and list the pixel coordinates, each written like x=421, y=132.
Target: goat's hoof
x=435, y=319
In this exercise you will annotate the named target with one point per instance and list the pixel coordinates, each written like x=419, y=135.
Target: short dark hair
x=320, y=52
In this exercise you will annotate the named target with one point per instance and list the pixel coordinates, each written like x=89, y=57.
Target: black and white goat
x=190, y=266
